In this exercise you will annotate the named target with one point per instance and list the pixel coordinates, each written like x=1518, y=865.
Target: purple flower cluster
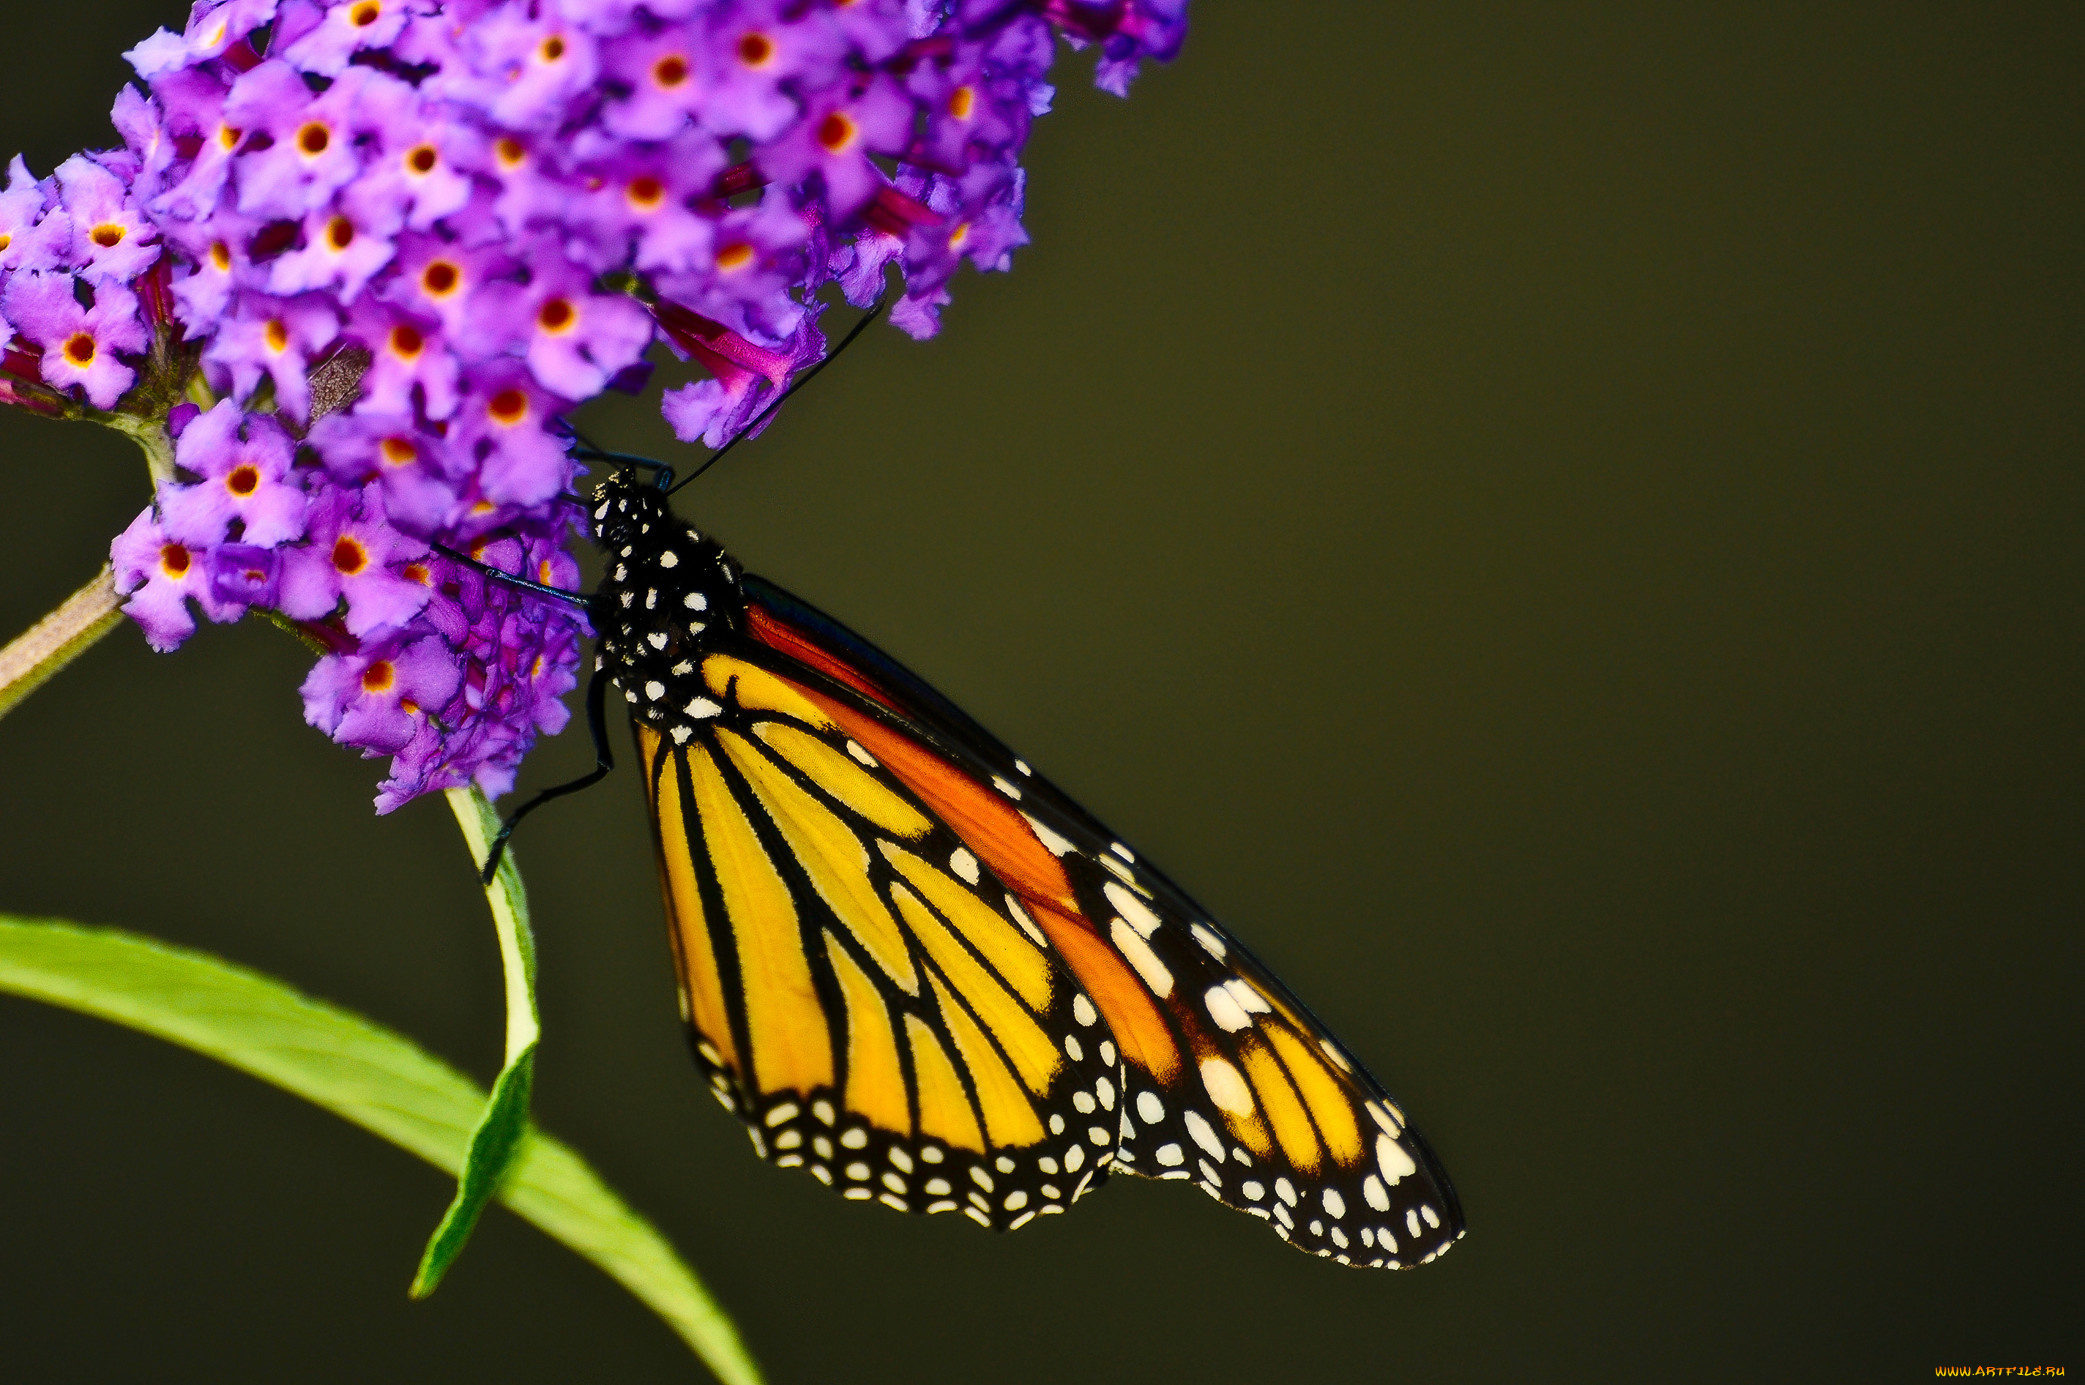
x=386, y=246
x=73, y=250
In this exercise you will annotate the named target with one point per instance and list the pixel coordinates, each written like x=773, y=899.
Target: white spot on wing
x=1226, y=1087
x=1082, y=1010
x=1229, y=1015
x=1149, y=1108
x=1135, y=910
x=669, y=558
x=1057, y=845
x=1393, y=1161
x=1249, y=1000
x=695, y=601
x=1139, y=955
x=1211, y=944
x=1378, y=1197
x=963, y=864
x=1118, y=870
x=1204, y=1135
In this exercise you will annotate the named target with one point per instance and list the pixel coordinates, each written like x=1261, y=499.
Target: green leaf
x=492, y=1149
x=498, y=1136
x=380, y=1080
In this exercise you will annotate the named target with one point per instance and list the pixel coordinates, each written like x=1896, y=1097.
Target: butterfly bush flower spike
x=389, y=246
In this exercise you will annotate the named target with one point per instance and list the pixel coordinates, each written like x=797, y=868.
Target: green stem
x=59, y=638
x=505, y=1122
x=151, y=436
x=509, y=901
x=92, y=611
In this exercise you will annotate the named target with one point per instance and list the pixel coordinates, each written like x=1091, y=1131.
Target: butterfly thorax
x=669, y=596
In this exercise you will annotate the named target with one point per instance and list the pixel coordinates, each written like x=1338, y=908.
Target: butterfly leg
x=604, y=761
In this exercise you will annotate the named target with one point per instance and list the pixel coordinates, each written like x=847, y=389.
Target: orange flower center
x=399, y=451
x=755, y=50
x=79, y=349
x=365, y=14
x=509, y=406
x=645, y=192
x=553, y=49
x=278, y=336
x=173, y=561
x=379, y=677
x=340, y=233
x=670, y=71
x=314, y=138
x=108, y=235
x=421, y=158
x=440, y=279
x=228, y=137
x=221, y=256
x=349, y=556
x=961, y=102
x=511, y=152
x=406, y=342
x=736, y=256
x=243, y=479
x=836, y=132
x=557, y=315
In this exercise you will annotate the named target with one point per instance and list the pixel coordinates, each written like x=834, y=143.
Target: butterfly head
x=668, y=595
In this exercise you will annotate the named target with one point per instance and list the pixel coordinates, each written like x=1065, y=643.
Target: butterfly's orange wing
x=1173, y=1052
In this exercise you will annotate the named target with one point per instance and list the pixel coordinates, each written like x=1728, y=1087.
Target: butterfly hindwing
x=861, y=992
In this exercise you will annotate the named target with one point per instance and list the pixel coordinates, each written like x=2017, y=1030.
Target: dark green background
x=1560, y=526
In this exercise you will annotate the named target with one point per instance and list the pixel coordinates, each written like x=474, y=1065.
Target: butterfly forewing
x=1224, y=1078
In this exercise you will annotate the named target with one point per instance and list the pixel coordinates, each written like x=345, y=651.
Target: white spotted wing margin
x=1268, y=1113
x=948, y=1084
x=1262, y=1109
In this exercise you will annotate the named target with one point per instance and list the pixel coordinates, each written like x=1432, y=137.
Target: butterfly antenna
x=806, y=378
x=507, y=579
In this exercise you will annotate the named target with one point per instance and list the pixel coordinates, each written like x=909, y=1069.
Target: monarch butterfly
x=918, y=971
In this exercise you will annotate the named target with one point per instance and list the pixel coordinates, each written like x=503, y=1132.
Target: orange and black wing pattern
x=920, y=971
x=863, y=993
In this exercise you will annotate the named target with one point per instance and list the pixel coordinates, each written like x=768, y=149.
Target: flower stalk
x=60, y=637
x=504, y=1124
